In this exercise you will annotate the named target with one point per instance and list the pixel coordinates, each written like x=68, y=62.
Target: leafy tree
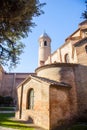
x=84, y=14
x=15, y=23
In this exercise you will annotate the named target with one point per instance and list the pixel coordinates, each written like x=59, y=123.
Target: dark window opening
x=45, y=43
x=67, y=58
x=30, y=99
x=55, y=62
x=86, y=48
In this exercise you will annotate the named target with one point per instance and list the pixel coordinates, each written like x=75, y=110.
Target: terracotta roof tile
x=52, y=82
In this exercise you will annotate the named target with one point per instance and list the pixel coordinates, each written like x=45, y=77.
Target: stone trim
x=55, y=65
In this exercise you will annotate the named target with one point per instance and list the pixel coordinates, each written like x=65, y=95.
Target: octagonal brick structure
x=61, y=72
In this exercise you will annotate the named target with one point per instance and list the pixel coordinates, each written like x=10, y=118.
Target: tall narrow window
x=30, y=99
x=86, y=48
x=55, y=62
x=67, y=58
x=45, y=43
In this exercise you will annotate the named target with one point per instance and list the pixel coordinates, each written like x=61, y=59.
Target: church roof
x=83, y=22
x=44, y=35
x=81, y=42
x=51, y=82
x=46, y=80
x=82, y=25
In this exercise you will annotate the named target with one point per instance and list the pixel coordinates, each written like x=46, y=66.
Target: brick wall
x=81, y=78
x=39, y=115
x=9, y=83
x=61, y=72
x=60, y=110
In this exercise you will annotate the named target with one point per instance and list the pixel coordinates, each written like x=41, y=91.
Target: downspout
x=21, y=98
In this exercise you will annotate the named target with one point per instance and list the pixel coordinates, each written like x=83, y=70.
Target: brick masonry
x=60, y=87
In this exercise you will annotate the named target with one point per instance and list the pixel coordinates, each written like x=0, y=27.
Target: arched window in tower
x=45, y=43
x=55, y=62
x=86, y=48
x=67, y=58
x=30, y=99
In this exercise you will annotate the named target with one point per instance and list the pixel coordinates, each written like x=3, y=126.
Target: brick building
x=9, y=83
x=57, y=93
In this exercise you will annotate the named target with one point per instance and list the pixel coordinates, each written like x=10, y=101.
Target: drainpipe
x=20, y=109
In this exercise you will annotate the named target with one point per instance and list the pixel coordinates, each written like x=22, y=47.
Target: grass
x=7, y=121
x=6, y=109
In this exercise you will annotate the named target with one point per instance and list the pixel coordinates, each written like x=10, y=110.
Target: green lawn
x=6, y=121
x=7, y=109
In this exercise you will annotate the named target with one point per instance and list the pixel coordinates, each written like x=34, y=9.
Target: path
x=4, y=128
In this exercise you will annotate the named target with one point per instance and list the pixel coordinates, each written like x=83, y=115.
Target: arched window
x=67, y=58
x=30, y=99
x=45, y=43
x=86, y=48
x=55, y=62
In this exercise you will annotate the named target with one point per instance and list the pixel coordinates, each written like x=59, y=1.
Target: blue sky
x=61, y=18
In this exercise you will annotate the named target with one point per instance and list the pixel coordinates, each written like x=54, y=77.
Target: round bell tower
x=44, y=48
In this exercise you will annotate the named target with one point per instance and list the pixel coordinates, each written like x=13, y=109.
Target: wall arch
x=66, y=58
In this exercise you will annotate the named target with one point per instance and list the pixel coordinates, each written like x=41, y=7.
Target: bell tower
x=44, y=48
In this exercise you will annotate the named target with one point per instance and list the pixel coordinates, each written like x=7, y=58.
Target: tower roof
x=44, y=35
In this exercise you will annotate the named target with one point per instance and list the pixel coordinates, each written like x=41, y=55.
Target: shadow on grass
x=7, y=121
x=16, y=125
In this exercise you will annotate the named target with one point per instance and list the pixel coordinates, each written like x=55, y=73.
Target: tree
x=15, y=23
x=84, y=14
